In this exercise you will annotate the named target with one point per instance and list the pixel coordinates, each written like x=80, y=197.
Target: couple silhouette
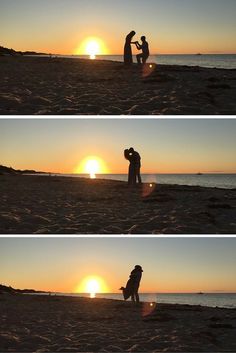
x=141, y=58
x=134, y=166
x=132, y=286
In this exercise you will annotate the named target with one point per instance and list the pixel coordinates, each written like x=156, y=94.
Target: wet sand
x=69, y=324
x=67, y=205
x=44, y=86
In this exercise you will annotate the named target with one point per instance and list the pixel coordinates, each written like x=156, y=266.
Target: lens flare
x=149, y=186
x=148, y=69
x=150, y=306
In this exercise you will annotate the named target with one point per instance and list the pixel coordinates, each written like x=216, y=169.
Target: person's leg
x=137, y=297
x=133, y=175
x=133, y=297
x=129, y=176
x=139, y=56
x=145, y=59
x=139, y=176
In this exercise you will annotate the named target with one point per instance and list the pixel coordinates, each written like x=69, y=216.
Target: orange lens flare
x=148, y=69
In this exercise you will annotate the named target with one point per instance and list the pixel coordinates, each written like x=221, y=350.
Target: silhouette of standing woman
x=132, y=286
x=136, y=159
x=128, y=59
x=132, y=167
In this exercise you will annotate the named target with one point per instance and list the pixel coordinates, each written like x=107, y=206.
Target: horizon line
x=121, y=54
x=145, y=173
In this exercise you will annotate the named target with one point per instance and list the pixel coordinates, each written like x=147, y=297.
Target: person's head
x=131, y=150
x=132, y=33
x=126, y=154
x=143, y=38
x=138, y=268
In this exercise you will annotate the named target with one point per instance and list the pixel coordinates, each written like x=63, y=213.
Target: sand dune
x=33, y=85
x=66, y=324
x=53, y=205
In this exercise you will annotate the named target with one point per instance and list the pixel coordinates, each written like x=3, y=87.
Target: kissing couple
x=134, y=166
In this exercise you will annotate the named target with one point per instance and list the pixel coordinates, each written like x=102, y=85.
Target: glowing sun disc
x=92, y=165
x=92, y=46
x=92, y=285
x=92, y=49
x=92, y=168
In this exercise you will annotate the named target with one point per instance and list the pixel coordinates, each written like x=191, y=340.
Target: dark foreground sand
x=33, y=85
x=53, y=205
x=66, y=324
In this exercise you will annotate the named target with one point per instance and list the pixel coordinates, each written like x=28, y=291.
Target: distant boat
x=198, y=54
x=200, y=293
x=199, y=173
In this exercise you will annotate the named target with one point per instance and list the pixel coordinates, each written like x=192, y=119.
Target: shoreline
x=100, y=296
x=63, y=86
x=54, y=175
x=80, y=296
x=101, y=58
x=69, y=324
x=68, y=205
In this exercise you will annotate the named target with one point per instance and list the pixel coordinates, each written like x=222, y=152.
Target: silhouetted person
x=142, y=58
x=128, y=58
x=132, y=286
x=132, y=167
x=136, y=159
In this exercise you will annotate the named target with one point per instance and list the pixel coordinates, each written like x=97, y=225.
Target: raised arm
x=138, y=46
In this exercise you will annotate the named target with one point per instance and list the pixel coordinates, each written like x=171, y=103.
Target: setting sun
x=92, y=46
x=92, y=285
x=92, y=168
x=92, y=49
x=92, y=165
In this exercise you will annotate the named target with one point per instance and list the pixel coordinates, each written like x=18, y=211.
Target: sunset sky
x=171, y=26
x=165, y=145
x=170, y=265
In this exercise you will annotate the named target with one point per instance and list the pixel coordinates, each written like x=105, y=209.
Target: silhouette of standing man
x=145, y=50
x=134, y=166
x=128, y=58
x=132, y=286
x=136, y=159
x=132, y=170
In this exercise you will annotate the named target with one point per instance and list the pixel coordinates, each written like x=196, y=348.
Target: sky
x=170, y=265
x=171, y=26
x=165, y=145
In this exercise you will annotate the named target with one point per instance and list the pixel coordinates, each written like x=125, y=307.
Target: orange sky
x=165, y=145
x=170, y=26
x=169, y=265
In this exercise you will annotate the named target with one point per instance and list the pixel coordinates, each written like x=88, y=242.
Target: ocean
x=220, y=61
x=221, y=300
x=225, y=181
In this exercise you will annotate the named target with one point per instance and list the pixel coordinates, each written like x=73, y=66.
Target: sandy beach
x=44, y=86
x=68, y=324
x=67, y=205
